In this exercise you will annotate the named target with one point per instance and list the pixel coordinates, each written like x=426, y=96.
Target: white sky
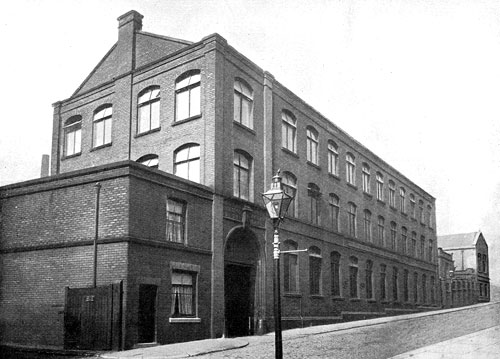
x=417, y=82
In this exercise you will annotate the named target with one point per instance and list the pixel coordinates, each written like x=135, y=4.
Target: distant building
x=470, y=278
x=183, y=138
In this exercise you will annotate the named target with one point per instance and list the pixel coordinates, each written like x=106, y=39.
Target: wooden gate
x=92, y=318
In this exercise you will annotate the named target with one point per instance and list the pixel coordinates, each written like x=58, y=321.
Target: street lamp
x=276, y=201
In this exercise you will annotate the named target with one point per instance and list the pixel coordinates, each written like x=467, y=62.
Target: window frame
x=334, y=204
x=367, y=220
x=350, y=163
x=291, y=275
x=333, y=158
x=238, y=169
x=102, y=116
x=149, y=103
x=192, y=84
x=288, y=131
x=380, y=187
x=178, y=226
x=312, y=145
x=73, y=126
x=289, y=183
x=351, y=215
x=365, y=174
x=335, y=258
x=392, y=194
x=192, y=175
x=150, y=160
x=314, y=194
x=315, y=275
x=239, y=96
x=353, y=278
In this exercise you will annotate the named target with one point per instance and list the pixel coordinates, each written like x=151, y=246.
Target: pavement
x=484, y=344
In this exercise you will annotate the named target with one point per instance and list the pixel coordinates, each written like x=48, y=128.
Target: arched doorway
x=241, y=259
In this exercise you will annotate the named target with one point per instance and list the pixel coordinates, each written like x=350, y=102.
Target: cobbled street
x=374, y=341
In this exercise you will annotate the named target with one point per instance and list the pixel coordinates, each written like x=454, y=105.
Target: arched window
x=353, y=277
x=380, y=187
x=395, y=290
x=242, y=175
x=431, y=250
x=422, y=247
x=333, y=158
x=73, y=136
x=414, y=244
x=289, y=182
x=291, y=268
x=243, y=103
x=421, y=211
x=351, y=214
x=415, y=287
x=392, y=194
x=383, y=282
x=187, y=95
x=393, y=235
x=334, y=203
x=367, y=217
x=402, y=200
x=288, y=131
x=350, y=169
x=314, y=194
x=315, y=270
x=187, y=162
x=479, y=262
x=335, y=267
x=102, y=126
x=404, y=239
x=406, y=284
x=150, y=160
x=381, y=231
x=429, y=217
x=148, y=105
x=433, y=293
x=312, y=145
x=366, y=178
x=424, y=289
x=176, y=219
x=413, y=206
x=369, y=279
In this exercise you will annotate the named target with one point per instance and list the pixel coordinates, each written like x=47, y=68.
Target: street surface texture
x=374, y=341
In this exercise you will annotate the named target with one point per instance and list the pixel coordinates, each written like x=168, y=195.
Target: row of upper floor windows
x=289, y=142
x=355, y=280
x=187, y=106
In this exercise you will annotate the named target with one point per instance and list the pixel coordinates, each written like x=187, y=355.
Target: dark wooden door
x=92, y=318
x=237, y=286
x=147, y=313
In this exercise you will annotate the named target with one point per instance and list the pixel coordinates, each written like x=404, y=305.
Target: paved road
x=376, y=341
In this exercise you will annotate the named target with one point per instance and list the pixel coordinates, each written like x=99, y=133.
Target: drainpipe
x=97, y=195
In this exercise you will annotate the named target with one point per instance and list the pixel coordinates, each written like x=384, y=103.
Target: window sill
x=338, y=298
x=147, y=132
x=184, y=320
x=334, y=176
x=291, y=153
x=371, y=301
x=71, y=156
x=353, y=186
x=393, y=208
x=381, y=202
x=404, y=214
x=368, y=195
x=175, y=123
x=313, y=165
x=101, y=146
x=245, y=128
x=292, y=295
x=385, y=302
x=354, y=299
x=316, y=296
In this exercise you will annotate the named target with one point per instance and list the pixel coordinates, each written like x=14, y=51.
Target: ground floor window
x=183, y=294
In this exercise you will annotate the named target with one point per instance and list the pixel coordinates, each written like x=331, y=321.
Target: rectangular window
x=290, y=272
x=336, y=276
x=405, y=286
x=395, y=284
x=183, y=294
x=353, y=281
x=315, y=275
x=369, y=280
x=175, y=221
x=383, y=294
x=415, y=287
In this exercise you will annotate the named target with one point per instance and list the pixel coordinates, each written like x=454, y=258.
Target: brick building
x=183, y=138
x=470, y=282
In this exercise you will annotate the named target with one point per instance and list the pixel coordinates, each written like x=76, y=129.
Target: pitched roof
x=461, y=240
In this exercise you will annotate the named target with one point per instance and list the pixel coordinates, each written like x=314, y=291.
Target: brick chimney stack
x=44, y=170
x=128, y=24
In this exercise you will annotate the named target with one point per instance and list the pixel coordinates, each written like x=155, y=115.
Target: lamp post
x=276, y=201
